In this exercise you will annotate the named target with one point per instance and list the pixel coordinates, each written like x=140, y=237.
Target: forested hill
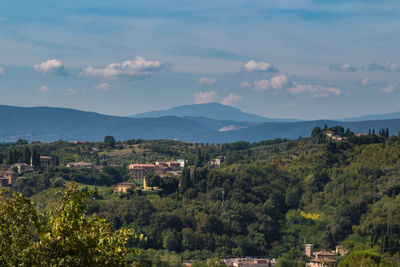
x=275, y=195
x=47, y=124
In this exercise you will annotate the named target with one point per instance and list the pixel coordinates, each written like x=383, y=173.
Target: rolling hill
x=47, y=124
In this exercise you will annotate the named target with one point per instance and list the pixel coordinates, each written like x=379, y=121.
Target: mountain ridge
x=212, y=110
x=48, y=124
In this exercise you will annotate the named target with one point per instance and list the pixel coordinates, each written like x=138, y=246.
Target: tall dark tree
x=185, y=180
x=109, y=141
x=35, y=159
x=27, y=155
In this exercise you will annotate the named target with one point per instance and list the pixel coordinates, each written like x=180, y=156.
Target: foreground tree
x=66, y=237
x=365, y=258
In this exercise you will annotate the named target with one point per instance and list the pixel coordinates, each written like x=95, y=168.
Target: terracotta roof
x=325, y=253
x=141, y=165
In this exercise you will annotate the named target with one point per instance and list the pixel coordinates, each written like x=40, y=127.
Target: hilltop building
x=45, y=162
x=84, y=165
x=321, y=258
x=7, y=177
x=217, y=161
x=21, y=168
x=139, y=171
x=250, y=262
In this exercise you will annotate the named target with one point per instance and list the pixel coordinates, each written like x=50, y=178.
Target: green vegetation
x=63, y=237
x=266, y=199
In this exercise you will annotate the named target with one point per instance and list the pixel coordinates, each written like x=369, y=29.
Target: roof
x=20, y=164
x=45, y=157
x=326, y=260
x=325, y=253
x=80, y=163
x=135, y=165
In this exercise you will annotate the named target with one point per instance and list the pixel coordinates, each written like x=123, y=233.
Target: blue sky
x=284, y=58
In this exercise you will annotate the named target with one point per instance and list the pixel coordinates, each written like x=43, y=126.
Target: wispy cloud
x=43, y=89
x=254, y=66
x=103, y=87
x=232, y=100
x=138, y=67
x=390, y=89
x=52, y=66
x=2, y=71
x=206, y=80
x=386, y=67
x=315, y=91
x=205, y=97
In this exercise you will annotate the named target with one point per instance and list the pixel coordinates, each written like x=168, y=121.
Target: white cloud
x=52, y=66
x=206, y=80
x=315, y=91
x=254, y=66
x=43, y=89
x=232, y=100
x=205, y=97
x=275, y=83
x=71, y=92
x=103, y=87
x=138, y=67
x=2, y=71
x=365, y=81
x=390, y=89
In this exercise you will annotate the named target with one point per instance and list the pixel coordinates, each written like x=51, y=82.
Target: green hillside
x=266, y=199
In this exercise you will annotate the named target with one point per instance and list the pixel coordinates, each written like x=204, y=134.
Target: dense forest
x=266, y=199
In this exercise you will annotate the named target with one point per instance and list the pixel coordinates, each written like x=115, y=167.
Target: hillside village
x=192, y=200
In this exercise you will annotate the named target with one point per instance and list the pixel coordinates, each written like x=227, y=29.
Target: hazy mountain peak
x=212, y=110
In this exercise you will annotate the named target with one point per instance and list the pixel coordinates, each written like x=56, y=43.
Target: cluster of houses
x=333, y=136
x=8, y=176
x=245, y=262
x=323, y=258
x=139, y=171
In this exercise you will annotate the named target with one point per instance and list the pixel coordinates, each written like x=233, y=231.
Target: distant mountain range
x=387, y=116
x=213, y=111
x=47, y=124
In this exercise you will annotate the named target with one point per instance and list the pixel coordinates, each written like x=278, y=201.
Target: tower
x=309, y=250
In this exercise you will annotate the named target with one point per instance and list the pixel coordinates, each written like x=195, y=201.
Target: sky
x=281, y=59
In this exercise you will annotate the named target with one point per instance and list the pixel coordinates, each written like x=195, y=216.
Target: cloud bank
x=139, y=67
x=281, y=83
x=386, y=67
